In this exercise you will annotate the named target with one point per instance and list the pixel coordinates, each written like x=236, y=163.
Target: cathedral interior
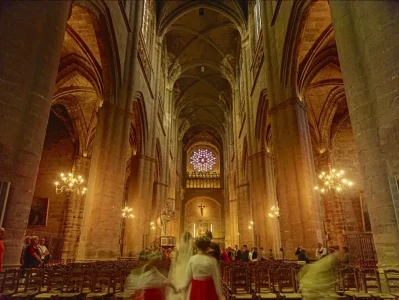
x=273, y=124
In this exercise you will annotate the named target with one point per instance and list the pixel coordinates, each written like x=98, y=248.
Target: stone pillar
x=105, y=190
x=31, y=33
x=300, y=210
x=259, y=205
x=139, y=190
x=366, y=34
x=244, y=216
x=75, y=210
x=273, y=238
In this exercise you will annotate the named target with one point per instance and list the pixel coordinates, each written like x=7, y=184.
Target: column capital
x=293, y=101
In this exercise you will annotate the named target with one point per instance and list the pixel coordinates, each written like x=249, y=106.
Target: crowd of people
x=34, y=252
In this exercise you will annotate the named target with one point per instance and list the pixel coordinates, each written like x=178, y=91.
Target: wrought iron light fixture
x=333, y=181
x=70, y=184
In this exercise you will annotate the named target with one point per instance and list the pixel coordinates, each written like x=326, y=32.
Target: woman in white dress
x=202, y=275
x=178, y=266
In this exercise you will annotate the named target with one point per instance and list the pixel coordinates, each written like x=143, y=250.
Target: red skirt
x=150, y=294
x=203, y=289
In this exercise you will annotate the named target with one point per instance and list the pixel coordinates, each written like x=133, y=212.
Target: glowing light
x=203, y=160
x=127, y=213
x=70, y=184
x=333, y=181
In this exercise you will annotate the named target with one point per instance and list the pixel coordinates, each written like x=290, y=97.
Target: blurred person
x=148, y=281
x=224, y=255
x=254, y=254
x=179, y=261
x=238, y=253
x=262, y=254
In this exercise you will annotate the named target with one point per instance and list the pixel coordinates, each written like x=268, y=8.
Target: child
x=149, y=282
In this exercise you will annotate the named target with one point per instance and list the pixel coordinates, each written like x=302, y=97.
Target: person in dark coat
x=255, y=254
x=237, y=254
x=245, y=253
x=301, y=253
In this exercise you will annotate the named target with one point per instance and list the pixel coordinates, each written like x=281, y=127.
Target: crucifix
x=201, y=207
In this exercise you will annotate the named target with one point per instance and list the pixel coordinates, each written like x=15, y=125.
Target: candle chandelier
x=274, y=212
x=127, y=213
x=70, y=184
x=333, y=181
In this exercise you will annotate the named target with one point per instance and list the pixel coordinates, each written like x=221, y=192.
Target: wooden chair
x=372, y=284
x=54, y=284
x=240, y=287
x=73, y=284
x=9, y=283
x=32, y=285
x=392, y=279
x=350, y=284
x=119, y=287
x=102, y=284
x=263, y=284
x=286, y=284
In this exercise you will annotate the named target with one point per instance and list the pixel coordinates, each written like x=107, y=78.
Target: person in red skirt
x=203, y=277
x=148, y=283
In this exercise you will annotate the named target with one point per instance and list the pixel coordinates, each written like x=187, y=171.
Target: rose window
x=203, y=160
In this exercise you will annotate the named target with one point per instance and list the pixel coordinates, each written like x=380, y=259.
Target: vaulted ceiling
x=203, y=41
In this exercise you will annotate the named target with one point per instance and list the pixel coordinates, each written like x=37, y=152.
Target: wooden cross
x=201, y=207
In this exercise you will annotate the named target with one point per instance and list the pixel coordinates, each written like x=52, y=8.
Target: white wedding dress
x=178, y=267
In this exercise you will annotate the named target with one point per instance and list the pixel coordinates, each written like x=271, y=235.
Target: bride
x=180, y=257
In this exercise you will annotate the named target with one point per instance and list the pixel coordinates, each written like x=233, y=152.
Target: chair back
x=286, y=280
x=392, y=279
x=370, y=280
x=10, y=280
x=348, y=279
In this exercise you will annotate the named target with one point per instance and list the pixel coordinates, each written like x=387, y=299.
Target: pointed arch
x=139, y=126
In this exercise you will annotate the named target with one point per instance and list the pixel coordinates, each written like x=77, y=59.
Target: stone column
x=366, y=34
x=75, y=211
x=139, y=198
x=244, y=215
x=273, y=238
x=300, y=210
x=256, y=165
x=31, y=33
x=105, y=190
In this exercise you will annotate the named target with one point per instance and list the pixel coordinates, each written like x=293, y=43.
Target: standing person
x=271, y=254
x=26, y=244
x=203, y=274
x=224, y=255
x=179, y=260
x=238, y=253
x=320, y=251
x=345, y=256
x=44, y=253
x=262, y=254
x=254, y=254
x=245, y=253
x=230, y=253
x=301, y=253
x=215, y=248
x=32, y=254
x=2, y=233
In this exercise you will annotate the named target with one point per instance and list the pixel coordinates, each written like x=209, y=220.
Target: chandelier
x=70, y=184
x=203, y=160
x=274, y=212
x=333, y=181
x=127, y=213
